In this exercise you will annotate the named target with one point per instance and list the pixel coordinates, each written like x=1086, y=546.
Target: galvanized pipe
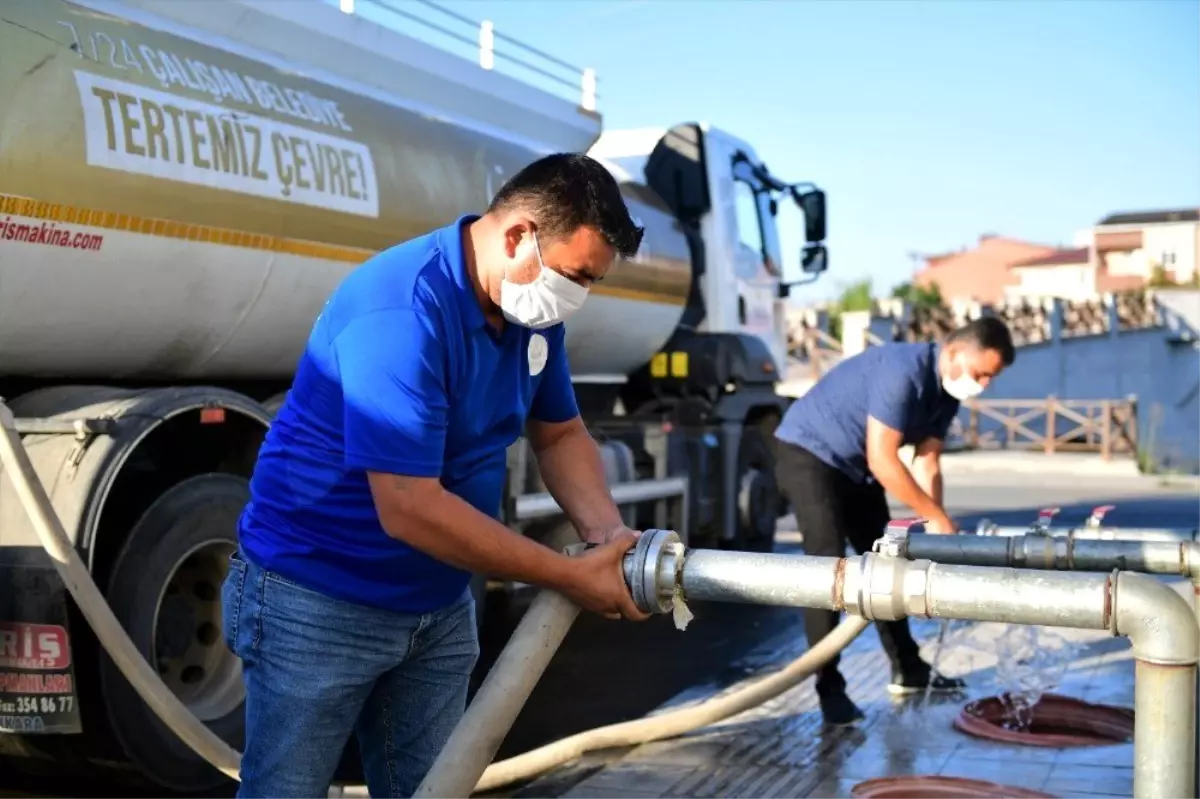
x=1097, y=533
x=1159, y=623
x=540, y=506
x=1064, y=553
x=759, y=578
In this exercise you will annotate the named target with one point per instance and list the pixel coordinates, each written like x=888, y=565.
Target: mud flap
x=37, y=674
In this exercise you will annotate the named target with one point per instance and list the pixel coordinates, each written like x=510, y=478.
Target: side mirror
x=814, y=259
x=813, y=205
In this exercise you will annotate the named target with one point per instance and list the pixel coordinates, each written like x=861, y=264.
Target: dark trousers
x=831, y=510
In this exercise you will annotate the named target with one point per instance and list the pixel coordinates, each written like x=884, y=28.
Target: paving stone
x=639, y=777
x=1018, y=774
x=1103, y=779
x=584, y=791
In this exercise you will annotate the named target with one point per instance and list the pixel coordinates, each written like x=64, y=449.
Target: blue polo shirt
x=898, y=384
x=402, y=374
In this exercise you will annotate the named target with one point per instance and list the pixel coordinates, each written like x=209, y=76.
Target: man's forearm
x=574, y=473
x=447, y=528
x=895, y=477
x=929, y=478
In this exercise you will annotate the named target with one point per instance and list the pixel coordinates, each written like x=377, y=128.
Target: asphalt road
x=611, y=671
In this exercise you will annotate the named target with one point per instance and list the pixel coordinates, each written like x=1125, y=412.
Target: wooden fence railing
x=1052, y=425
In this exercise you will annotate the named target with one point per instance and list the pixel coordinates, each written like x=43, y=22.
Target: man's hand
x=941, y=525
x=597, y=581
x=611, y=534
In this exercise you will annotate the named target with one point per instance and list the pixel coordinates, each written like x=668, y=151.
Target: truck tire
x=165, y=588
x=758, y=491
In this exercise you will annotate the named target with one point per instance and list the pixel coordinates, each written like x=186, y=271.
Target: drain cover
x=918, y=787
x=1056, y=720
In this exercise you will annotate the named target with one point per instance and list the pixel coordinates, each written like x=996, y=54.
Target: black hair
x=986, y=333
x=566, y=191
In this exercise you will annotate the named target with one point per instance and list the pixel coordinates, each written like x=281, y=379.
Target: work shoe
x=917, y=683
x=840, y=711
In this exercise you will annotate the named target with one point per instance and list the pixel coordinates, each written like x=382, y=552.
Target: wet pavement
x=781, y=749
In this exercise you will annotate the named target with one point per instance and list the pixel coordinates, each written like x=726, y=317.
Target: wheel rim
x=189, y=651
x=756, y=505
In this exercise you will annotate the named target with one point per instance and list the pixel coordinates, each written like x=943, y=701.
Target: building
x=1138, y=244
x=981, y=273
x=1122, y=252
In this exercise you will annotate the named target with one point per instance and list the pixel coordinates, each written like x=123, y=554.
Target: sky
x=927, y=123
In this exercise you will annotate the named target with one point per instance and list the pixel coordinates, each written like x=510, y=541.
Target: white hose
x=532, y=645
x=94, y=607
x=499, y=700
x=674, y=723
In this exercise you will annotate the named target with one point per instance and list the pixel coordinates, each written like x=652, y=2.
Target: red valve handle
x=905, y=524
x=1102, y=510
x=1047, y=513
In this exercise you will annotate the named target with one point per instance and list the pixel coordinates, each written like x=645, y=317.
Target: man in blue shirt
x=377, y=491
x=840, y=453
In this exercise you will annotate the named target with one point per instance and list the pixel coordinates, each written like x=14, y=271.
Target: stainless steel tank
x=172, y=210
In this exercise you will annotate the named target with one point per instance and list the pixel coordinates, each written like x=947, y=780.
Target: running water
x=1031, y=662
x=943, y=628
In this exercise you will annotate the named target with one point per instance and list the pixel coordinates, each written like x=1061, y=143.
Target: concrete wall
x=1158, y=368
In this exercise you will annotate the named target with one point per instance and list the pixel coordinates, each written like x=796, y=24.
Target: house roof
x=1151, y=217
x=936, y=259
x=1080, y=255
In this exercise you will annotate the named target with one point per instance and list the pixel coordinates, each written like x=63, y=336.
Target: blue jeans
x=317, y=669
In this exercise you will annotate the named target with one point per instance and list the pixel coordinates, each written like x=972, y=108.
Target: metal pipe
x=539, y=506
x=759, y=579
x=1097, y=533
x=1159, y=623
x=1039, y=551
x=1066, y=553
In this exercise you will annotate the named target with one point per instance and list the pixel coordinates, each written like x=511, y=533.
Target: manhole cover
x=1055, y=721
x=918, y=787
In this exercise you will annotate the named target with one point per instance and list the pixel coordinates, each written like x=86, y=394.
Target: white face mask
x=548, y=300
x=963, y=387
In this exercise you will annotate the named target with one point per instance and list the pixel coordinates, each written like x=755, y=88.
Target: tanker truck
x=183, y=184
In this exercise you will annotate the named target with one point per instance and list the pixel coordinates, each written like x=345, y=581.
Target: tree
x=853, y=297
x=920, y=296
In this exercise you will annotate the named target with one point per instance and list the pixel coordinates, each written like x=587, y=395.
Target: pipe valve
x=894, y=541
x=1098, y=514
x=986, y=527
x=1045, y=518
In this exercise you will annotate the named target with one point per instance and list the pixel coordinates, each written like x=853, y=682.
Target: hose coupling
x=653, y=570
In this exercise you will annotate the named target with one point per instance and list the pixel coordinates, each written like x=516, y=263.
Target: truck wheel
x=165, y=588
x=758, y=492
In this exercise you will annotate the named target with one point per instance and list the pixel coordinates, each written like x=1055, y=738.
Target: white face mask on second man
x=963, y=387
x=548, y=300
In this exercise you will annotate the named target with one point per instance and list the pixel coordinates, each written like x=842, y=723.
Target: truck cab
x=716, y=183
x=703, y=405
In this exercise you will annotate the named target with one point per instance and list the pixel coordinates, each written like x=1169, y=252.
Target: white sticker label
x=148, y=132
x=539, y=353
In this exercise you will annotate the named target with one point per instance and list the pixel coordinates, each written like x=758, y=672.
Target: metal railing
x=455, y=32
